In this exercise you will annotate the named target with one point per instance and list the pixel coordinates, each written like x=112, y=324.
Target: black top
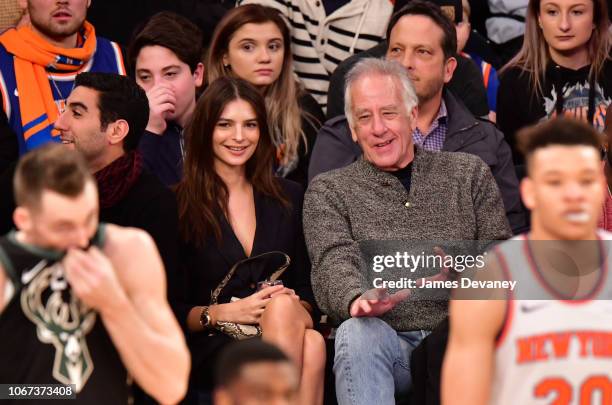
x=202, y=269
x=163, y=154
x=152, y=207
x=519, y=106
x=404, y=176
x=149, y=206
x=40, y=346
x=467, y=83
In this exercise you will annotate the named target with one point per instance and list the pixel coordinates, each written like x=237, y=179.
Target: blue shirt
x=434, y=138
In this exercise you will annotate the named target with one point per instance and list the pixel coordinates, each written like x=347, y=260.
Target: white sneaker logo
x=528, y=308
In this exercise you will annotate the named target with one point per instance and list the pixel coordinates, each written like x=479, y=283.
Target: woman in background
x=252, y=42
x=563, y=67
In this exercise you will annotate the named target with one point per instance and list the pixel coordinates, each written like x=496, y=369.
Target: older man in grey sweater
x=395, y=192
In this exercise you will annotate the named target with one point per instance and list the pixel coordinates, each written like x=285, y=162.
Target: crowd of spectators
x=236, y=131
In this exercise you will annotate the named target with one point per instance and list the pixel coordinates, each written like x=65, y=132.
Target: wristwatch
x=205, y=320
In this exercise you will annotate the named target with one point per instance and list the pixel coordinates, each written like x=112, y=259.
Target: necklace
x=182, y=144
x=62, y=98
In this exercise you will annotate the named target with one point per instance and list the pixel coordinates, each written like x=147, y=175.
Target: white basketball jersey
x=552, y=351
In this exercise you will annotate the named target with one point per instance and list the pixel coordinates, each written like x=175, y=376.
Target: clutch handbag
x=241, y=331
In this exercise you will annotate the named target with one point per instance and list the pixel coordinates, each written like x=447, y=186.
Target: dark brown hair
x=171, y=31
x=281, y=97
x=435, y=13
x=119, y=98
x=51, y=167
x=202, y=195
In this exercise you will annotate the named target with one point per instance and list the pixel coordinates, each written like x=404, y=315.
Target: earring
x=226, y=66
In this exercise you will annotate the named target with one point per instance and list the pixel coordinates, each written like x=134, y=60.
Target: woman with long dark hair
x=563, y=68
x=252, y=42
x=231, y=206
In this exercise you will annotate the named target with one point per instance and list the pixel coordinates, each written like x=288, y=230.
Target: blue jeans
x=372, y=361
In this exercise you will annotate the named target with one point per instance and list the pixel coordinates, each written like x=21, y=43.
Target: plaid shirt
x=434, y=138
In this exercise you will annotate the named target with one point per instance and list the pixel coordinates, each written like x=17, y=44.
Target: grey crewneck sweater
x=453, y=196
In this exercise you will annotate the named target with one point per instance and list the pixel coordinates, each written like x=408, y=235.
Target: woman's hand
x=287, y=291
x=247, y=310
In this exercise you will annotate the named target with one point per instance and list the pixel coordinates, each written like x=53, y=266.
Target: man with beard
x=424, y=41
x=76, y=305
x=104, y=119
x=38, y=65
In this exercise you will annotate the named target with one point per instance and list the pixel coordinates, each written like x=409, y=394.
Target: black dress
x=202, y=269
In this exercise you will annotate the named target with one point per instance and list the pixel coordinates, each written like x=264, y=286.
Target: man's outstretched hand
x=376, y=302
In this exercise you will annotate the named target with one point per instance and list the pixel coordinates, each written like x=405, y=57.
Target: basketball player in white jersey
x=552, y=343
x=81, y=302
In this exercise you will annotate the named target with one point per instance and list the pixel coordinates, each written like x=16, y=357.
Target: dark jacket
x=151, y=207
x=163, y=154
x=9, y=147
x=334, y=148
x=467, y=83
x=203, y=268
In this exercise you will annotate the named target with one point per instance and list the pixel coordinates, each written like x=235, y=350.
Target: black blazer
x=202, y=269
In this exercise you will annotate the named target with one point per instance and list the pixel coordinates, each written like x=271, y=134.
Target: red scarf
x=118, y=178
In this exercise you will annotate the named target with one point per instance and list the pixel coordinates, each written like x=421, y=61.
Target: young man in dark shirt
x=165, y=59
